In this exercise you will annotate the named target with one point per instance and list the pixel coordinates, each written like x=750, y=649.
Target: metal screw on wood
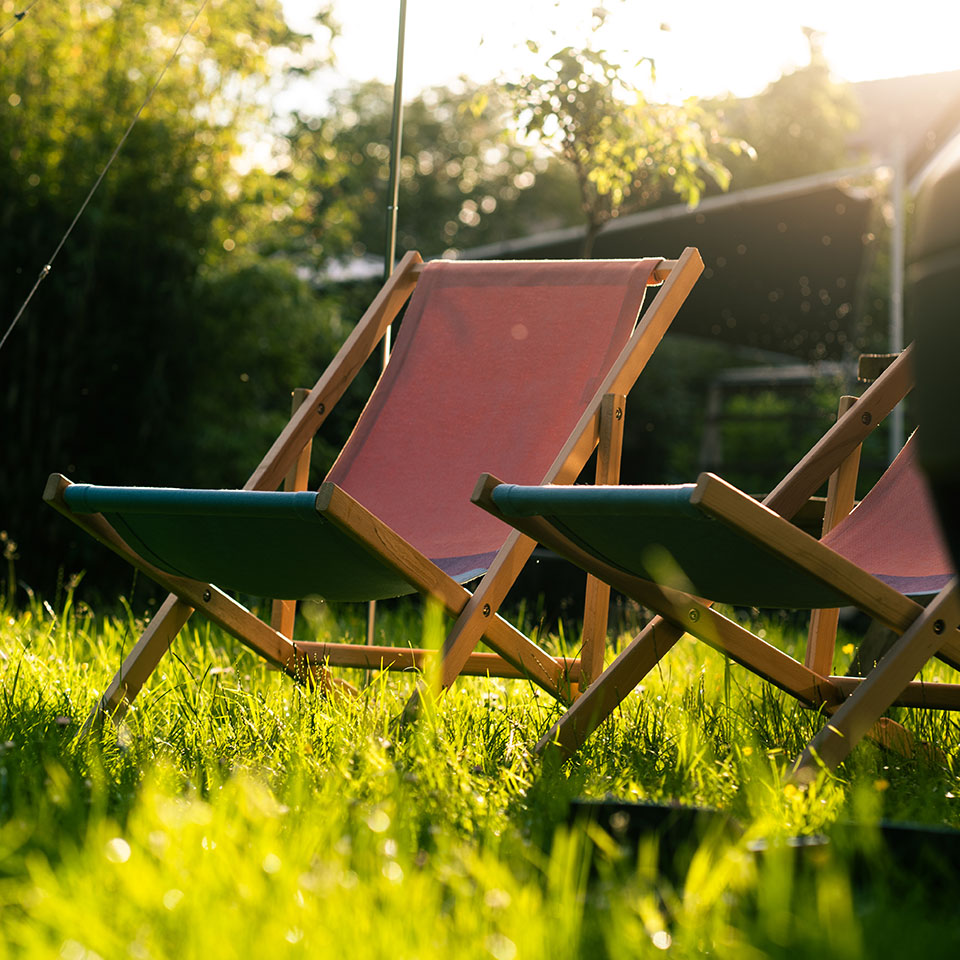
x=619, y=414
x=321, y=408
x=486, y=609
x=938, y=626
x=206, y=596
x=866, y=418
x=694, y=615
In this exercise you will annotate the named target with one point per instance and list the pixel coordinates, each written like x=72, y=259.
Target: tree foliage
x=464, y=180
x=176, y=318
x=626, y=152
x=799, y=124
x=113, y=372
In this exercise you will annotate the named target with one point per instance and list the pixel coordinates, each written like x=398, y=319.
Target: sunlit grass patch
x=235, y=813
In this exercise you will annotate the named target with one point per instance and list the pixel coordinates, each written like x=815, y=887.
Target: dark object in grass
x=917, y=856
x=678, y=831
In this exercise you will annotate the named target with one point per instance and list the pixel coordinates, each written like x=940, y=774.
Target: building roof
x=785, y=262
x=782, y=262
x=919, y=114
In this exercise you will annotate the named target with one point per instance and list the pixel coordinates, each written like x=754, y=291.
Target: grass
x=234, y=814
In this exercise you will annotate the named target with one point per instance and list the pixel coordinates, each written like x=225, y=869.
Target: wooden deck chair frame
x=475, y=614
x=854, y=704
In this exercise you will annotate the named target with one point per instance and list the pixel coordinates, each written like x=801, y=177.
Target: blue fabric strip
x=90, y=498
x=583, y=500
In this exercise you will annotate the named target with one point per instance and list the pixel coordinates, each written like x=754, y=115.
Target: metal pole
x=897, y=256
x=396, y=140
x=393, y=198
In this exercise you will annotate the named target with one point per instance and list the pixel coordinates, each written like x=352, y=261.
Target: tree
x=464, y=179
x=799, y=124
x=626, y=152
x=112, y=373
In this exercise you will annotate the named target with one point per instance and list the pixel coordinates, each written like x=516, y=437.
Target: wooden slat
x=502, y=573
x=665, y=268
x=605, y=694
x=725, y=502
x=140, y=662
x=475, y=616
x=283, y=613
x=395, y=552
x=629, y=365
x=841, y=496
x=596, y=607
x=917, y=693
x=337, y=377
x=363, y=657
x=886, y=682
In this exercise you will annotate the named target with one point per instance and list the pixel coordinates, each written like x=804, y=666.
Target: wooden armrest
x=658, y=276
x=770, y=530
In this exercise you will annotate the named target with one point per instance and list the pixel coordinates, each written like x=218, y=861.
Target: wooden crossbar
x=659, y=275
x=380, y=657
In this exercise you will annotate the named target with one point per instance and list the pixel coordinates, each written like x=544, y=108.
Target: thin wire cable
x=17, y=17
x=48, y=266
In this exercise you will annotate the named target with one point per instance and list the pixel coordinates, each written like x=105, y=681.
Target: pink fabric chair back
x=894, y=534
x=494, y=365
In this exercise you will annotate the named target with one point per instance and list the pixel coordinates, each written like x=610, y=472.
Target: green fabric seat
x=655, y=532
x=260, y=543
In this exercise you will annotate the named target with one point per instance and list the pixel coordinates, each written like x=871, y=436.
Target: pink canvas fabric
x=894, y=534
x=494, y=365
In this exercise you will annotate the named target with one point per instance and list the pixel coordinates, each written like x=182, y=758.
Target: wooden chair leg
x=605, y=694
x=841, y=496
x=140, y=662
x=284, y=612
x=596, y=607
x=822, y=634
x=859, y=713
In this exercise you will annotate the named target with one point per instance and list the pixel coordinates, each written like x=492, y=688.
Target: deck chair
x=668, y=547
x=503, y=363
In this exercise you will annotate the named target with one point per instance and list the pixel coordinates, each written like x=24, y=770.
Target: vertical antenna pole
x=393, y=198
x=396, y=141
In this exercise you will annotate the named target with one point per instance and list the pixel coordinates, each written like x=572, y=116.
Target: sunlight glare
x=701, y=48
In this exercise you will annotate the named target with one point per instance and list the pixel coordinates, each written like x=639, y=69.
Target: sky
x=700, y=48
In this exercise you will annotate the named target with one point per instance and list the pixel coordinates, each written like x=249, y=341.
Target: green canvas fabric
x=655, y=532
x=260, y=543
